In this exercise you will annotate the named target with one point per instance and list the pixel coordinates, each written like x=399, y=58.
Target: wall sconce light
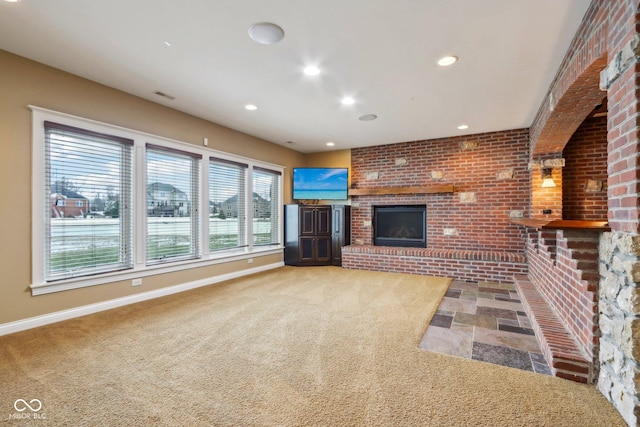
x=547, y=179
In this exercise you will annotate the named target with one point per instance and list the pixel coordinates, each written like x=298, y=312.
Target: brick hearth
x=474, y=266
x=562, y=352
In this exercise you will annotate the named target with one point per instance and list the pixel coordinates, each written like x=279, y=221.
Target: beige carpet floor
x=291, y=347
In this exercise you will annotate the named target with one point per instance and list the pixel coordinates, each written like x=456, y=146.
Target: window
x=112, y=204
x=266, y=206
x=172, y=204
x=227, y=204
x=80, y=164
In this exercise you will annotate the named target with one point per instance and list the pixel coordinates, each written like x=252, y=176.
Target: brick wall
x=623, y=152
x=564, y=266
x=586, y=159
x=495, y=171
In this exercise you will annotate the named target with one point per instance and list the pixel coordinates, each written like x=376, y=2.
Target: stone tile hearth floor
x=485, y=321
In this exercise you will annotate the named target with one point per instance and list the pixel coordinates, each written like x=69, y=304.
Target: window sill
x=152, y=270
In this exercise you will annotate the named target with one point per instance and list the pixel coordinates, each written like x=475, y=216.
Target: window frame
x=274, y=205
x=140, y=268
x=194, y=221
x=242, y=232
x=76, y=137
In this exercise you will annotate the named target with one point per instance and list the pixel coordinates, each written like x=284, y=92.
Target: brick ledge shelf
x=458, y=264
x=558, y=345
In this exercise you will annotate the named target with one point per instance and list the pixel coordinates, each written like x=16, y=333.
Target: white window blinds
x=172, y=204
x=266, y=206
x=87, y=206
x=227, y=204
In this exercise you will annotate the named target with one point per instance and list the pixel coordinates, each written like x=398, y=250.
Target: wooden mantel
x=562, y=224
x=430, y=189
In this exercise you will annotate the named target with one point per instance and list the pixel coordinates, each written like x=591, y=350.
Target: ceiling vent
x=164, y=95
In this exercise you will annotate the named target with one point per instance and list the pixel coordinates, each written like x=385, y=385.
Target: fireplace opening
x=400, y=225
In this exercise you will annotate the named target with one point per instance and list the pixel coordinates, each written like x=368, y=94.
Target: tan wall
x=24, y=83
x=330, y=159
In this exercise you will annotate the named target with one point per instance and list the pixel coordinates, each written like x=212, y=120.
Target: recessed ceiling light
x=347, y=100
x=311, y=70
x=250, y=107
x=330, y=144
x=463, y=127
x=445, y=61
x=367, y=117
x=12, y=1
x=266, y=33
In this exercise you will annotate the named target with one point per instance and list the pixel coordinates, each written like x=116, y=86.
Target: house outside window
x=66, y=203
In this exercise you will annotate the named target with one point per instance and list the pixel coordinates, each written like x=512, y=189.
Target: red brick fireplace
x=471, y=186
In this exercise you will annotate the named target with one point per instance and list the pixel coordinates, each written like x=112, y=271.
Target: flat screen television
x=320, y=183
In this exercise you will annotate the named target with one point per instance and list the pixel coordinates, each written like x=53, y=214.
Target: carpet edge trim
x=435, y=311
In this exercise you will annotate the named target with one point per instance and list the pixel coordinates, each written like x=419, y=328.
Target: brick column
x=623, y=174
x=619, y=294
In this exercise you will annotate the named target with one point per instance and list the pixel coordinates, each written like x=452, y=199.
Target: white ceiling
x=381, y=52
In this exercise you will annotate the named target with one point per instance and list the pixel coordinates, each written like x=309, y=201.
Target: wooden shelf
x=562, y=224
x=431, y=189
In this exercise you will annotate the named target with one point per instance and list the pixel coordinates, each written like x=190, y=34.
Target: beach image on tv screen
x=320, y=183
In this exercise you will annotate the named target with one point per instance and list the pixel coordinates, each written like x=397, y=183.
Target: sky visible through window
x=87, y=167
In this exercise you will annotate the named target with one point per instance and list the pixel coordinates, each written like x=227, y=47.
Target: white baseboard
x=46, y=319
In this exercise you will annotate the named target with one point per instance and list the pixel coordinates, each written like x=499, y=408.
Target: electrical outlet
x=547, y=211
x=136, y=282
x=250, y=261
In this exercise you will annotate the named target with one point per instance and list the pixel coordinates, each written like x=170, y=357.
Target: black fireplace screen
x=404, y=225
